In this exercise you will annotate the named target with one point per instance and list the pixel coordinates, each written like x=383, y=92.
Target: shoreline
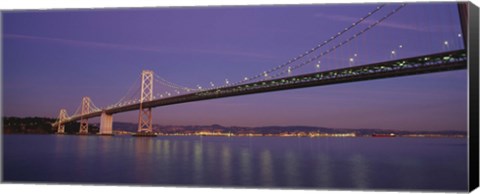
x=253, y=135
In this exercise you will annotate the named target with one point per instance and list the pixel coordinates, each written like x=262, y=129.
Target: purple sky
x=51, y=59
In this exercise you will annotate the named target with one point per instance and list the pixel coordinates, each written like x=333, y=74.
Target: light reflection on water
x=266, y=166
x=349, y=163
x=359, y=171
x=198, y=162
x=323, y=172
x=245, y=167
x=226, y=165
x=291, y=168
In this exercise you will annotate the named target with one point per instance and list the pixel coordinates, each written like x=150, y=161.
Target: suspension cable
x=345, y=41
x=170, y=84
x=338, y=34
x=128, y=92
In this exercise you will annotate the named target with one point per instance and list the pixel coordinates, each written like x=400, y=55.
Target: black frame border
x=473, y=80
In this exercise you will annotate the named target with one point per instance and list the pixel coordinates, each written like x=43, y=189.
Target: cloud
x=137, y=48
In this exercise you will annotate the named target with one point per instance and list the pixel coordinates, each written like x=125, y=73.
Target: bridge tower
x=85, y=110
x=61, y=118
x=463, y=13
x=145, y=115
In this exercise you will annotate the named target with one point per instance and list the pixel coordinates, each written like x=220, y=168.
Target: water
x=319, y=163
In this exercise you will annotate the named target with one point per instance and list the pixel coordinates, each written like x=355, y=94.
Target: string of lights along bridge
x=303, y=70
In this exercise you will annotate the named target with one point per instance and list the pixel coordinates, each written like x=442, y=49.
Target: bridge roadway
x=446, y=61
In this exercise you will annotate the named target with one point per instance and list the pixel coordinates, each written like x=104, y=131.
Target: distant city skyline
x=51, y=59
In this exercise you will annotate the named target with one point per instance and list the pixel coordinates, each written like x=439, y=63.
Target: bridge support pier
x=85, y=110
x=106, y=122
x=83, y=126
x=61, y=129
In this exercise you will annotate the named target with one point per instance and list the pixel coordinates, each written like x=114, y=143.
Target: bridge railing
x=382, y=67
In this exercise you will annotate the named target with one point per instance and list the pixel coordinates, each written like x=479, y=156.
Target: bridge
x=276, y=79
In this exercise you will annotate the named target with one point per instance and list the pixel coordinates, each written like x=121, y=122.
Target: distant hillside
x=274, y=130
x=38, y=125
x=43, y=126
x=27, y=125
x=122, y=126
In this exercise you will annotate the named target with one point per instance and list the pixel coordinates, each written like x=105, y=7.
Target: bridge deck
x=447, y=61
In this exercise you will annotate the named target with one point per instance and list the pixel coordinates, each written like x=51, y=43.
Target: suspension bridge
x=278, y=78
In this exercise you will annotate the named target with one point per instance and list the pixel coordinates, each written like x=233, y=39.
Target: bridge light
x=445, y=44
x=459, y=35
x=246, y=78
x=393, y=52
x=227, y=82
x=289, y=69
x=351, y=61
x=355, y=55
x=400, y=46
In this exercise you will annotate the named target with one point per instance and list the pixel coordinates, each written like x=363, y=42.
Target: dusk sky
x=51, y=59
